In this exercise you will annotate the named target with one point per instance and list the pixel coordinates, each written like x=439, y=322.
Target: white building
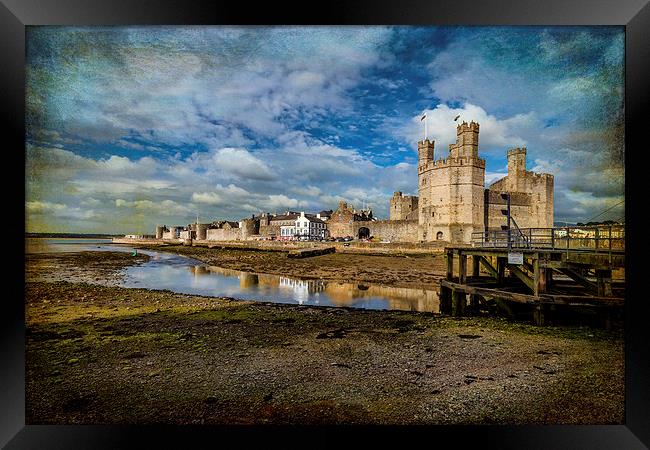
x=306, y=226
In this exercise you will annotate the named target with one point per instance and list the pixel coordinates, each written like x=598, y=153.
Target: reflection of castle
x=338, y=294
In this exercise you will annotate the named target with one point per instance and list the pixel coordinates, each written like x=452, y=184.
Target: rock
x=335, y=334
x=341, y=365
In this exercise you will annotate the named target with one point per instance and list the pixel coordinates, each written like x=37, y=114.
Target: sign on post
x=515, y=258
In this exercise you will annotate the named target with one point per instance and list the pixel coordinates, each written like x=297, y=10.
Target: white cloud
x=242, y=163
x=495, y=134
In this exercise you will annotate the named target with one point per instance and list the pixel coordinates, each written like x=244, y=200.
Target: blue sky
x=129, y=127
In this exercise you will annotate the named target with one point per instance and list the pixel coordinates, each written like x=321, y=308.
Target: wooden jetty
x=307, y=252
x=545, y=268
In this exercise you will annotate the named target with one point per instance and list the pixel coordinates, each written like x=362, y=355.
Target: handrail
x=600, y=239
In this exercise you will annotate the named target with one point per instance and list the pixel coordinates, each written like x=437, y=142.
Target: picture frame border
x=634, y=15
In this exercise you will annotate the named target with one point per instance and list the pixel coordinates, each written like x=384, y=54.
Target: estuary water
x=189, y=276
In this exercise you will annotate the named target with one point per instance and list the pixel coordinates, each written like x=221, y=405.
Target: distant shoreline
x=71, y=235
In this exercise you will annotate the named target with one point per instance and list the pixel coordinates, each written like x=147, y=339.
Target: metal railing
x=597, y=238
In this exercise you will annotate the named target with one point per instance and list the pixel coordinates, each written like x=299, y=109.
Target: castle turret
x=201, y=231
x=159, y=231
x=425, y=151
x=517, y=161
x=466, y=145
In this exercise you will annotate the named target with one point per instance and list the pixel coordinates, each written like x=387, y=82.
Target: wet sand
x=101, y=354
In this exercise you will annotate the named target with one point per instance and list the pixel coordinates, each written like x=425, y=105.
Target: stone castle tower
x=531, y=195
x=451, y=191
x=403, y=207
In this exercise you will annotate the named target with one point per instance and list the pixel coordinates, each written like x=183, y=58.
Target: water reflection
x=187, y=276
x=318, y=292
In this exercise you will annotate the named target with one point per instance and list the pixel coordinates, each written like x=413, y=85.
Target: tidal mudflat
x=100, y=353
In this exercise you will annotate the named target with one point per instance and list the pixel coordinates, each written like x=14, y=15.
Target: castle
x=452, y=200
x=451, y=204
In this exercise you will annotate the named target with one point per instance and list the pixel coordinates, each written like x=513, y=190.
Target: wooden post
x=462, y=268
x=476, y=265
x=539, y=314
x=445, y=300
x=604, y=281
x=450, y=265
x=501, y=268
x=474, y=298
x=458, y=300
x=549, y=278
x=537, y=277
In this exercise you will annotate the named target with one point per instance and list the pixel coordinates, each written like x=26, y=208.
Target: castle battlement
x=463, y=127
x=452, y=162
x=517, y=151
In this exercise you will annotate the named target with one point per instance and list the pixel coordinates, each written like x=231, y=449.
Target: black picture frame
x=633, y=14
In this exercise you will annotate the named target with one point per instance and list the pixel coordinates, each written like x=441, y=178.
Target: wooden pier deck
x=568, y=269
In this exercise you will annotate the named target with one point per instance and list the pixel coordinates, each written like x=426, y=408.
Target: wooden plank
x=575, y=276
x=486, y=264
x=526, y=298
x=522, y=276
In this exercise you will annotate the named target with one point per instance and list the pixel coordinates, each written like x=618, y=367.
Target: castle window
x=439, y=235
x=433, y=214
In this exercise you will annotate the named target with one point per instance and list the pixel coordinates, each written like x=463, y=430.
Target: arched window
x=439, y=235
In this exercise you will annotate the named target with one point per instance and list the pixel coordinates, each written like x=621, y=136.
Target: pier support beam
x=604, y=282
x=540, y=313
x=501, y=269
x=445, y=300
x=458, y=301
x=462, y=268
x=488, y=266
x=476, y=270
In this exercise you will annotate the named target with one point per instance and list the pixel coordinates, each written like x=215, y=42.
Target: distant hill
x=580, y=224
x=72, y=235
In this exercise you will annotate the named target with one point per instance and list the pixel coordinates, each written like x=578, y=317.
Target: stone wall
x=223, y=234
x=391, y=230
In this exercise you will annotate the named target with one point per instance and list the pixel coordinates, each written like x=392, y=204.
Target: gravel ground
x=100, y=354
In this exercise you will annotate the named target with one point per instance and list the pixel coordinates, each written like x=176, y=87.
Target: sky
x=130, y=127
